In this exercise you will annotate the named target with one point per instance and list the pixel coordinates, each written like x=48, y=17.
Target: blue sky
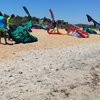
x=73, y=11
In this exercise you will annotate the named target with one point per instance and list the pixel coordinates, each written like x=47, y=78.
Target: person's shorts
x=3, y=30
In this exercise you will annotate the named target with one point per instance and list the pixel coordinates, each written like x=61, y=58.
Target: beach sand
x=45, y=41
x=57, y=67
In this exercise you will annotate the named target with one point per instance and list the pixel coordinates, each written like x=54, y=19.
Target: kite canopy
x=27, y=12
x=21, y=35
x=77, y=32
x=56, y=31
x=90, y=19
x=89, y=30
x=52, y=15
x=31, y=24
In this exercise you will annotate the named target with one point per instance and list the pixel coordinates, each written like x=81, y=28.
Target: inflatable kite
x=77, y=32
x=30, y=25
x=56, y=31
x=52, y=15
x=89, y=30
x=27, y=12
x=90, y=19
x=21, y=35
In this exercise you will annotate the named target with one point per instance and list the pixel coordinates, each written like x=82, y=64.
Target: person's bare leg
x=5, y=39
x=0, y=37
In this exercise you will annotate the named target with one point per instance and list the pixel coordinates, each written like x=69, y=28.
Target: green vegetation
x=60, y=23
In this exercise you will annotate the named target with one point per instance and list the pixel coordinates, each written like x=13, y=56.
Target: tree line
x=60, y=23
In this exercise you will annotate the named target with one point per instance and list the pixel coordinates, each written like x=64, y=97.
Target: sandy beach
x=57, y=67
x=45, y=41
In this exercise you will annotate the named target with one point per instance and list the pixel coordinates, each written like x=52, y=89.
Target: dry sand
x=56, y=67
x=45, y=41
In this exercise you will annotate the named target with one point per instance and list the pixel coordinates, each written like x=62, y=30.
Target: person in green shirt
x=10, y=24
x=10, y=21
